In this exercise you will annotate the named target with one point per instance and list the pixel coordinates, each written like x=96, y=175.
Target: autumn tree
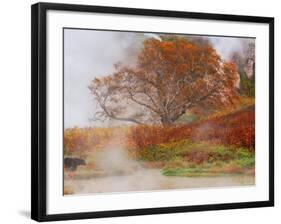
x=170, y=77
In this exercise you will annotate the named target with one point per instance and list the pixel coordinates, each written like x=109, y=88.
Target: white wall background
x=15, y=110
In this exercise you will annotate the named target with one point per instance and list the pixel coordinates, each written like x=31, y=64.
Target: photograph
x=146, y=111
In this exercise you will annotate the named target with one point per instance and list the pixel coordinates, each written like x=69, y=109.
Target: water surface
x=152, y=179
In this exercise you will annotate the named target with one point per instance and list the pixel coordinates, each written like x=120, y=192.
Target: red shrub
x=145, y=135
x=236, y=129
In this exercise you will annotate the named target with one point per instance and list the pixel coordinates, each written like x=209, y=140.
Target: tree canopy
x=170, y=77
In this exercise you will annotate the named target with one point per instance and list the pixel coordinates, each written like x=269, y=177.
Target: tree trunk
x=166, y=121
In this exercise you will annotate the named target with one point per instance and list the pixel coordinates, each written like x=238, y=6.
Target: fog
x=91, y=53
x=225, y=46
x=114, y=158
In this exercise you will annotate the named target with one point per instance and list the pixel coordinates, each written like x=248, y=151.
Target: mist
x=225, y=46
x=92, y=53
x=89, y=54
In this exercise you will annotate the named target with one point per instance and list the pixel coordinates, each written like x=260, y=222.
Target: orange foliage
x=79, y=140
x=170, y=77
x=145, y=135
x=237, y=129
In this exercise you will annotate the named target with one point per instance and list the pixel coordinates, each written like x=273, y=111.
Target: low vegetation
x=185, y=158
x=220, y=145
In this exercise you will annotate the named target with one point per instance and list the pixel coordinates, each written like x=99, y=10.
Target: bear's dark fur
x=72, y=163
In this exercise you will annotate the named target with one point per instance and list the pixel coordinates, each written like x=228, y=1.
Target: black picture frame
x=39, y=107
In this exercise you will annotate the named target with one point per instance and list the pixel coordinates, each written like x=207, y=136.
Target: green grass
x=169, y=151
x=196, y=172
x=189, y=172
x=246, y=162
x=175, y=151
x=191, y=159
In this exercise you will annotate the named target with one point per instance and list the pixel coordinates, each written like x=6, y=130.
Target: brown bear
x=72, y=163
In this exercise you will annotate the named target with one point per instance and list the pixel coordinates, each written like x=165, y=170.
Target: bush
x=77, y=141
x=247, y=85
x=237, y=129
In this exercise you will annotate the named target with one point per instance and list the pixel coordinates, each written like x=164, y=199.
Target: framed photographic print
x=139, y=111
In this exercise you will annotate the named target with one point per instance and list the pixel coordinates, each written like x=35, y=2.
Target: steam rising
x=225, y=46
x=116, y=172
x=113, y=159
